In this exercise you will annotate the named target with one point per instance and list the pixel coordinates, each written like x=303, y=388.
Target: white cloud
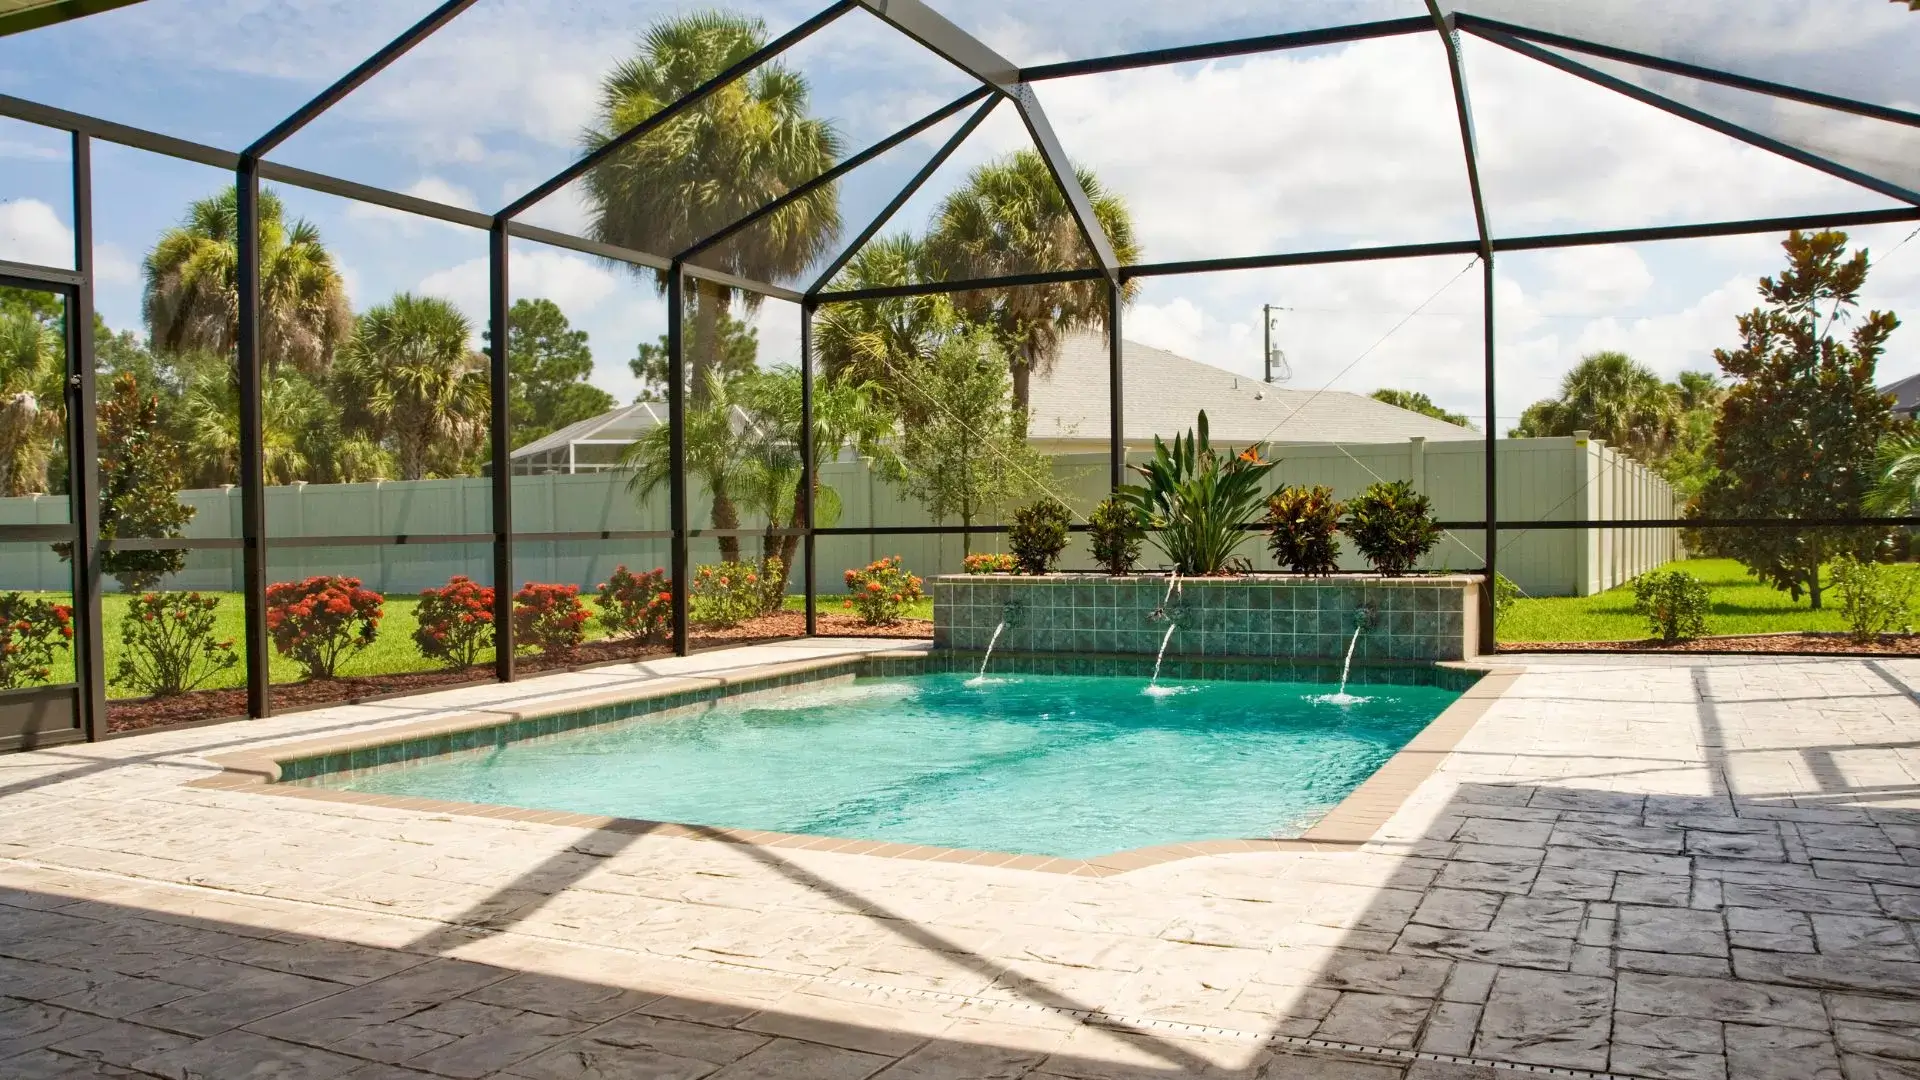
x=23, y=150
x=430, y=188
x=32, y=232
x=576, y=283
x=113, y=266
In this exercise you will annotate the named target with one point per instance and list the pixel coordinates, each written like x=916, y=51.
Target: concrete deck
x=1681, y=867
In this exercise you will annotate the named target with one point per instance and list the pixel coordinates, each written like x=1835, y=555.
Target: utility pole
x=1266, y=341
x=1266, y=351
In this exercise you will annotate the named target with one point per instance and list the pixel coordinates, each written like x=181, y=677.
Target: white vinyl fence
x=1561, y=479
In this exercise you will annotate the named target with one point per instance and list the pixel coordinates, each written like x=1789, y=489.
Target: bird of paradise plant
x=1196, y=498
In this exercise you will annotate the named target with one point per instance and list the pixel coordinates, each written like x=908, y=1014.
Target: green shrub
x=727, y=594
x=168, y=645
x=1038, y=535
x=1392, y=525
x=1301, y=522
x=1875, y=598
x=1674, y=602
x=31, y=629
x=880, y=590
x=1115, y=532
x=1505, y=593
x=1195, y=499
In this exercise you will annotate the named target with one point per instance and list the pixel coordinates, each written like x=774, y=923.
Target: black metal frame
x=999, y=80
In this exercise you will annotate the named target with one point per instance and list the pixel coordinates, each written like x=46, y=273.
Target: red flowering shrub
x=168, y=645
x=550, y=618
x=880, y=590
x=321, y=621
x=31, y=628
x=637, y=607
x=456, y=622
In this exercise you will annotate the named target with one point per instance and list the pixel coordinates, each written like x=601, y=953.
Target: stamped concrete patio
x=1650, y=867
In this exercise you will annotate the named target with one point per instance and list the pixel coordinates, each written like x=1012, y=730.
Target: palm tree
x=716, y=446
x=1011, y=218
x=32, y=371
x=1896, y=487
x=1614, y=397
x=193, y=294
x=846, y=415
x=882, y=341
x=736, y=151
x=409, y=378
x=305, y=436
x=1698, y=390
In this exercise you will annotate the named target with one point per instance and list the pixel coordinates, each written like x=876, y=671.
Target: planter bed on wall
x=1418, y=618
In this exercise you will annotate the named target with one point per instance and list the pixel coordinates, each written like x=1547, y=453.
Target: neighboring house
x=1906, y=396
x=1163, y=394
x=595, y=444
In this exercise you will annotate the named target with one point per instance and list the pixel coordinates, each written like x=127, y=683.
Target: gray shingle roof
x=1164, y=392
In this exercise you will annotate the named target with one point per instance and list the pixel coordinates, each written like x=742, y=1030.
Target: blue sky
x=1331, y=147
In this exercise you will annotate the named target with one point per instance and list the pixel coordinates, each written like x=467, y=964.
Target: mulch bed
x=134, y=714
x=1788, y=644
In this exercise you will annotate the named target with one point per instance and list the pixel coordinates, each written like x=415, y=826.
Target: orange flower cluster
x=879, y=590
x=988, y=564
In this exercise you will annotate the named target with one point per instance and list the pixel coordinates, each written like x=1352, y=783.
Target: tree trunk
x=710, y=304
x=726, y=517
x=412, y=458
x=703, y=359
x=1022, y=375
x=788, y=544
x=1813, y=588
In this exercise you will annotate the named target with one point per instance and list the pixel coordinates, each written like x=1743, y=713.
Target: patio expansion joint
x=1097, y=1018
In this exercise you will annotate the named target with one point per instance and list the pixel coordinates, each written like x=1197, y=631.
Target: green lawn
x=830, y=605
x=392, y=652
x=1741, y=605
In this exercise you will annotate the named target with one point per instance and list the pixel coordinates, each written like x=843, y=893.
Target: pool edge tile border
x=1351, y=824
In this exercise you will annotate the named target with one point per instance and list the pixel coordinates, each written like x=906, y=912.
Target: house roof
x=617, y=427
x=1906, y=394
x=1164, y=392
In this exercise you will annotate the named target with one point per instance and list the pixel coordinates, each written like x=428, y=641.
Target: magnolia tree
x=1800, y=425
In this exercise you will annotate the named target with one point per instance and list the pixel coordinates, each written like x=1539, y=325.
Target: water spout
x=981, y=679
x=1363, y=620
x=1154, y=689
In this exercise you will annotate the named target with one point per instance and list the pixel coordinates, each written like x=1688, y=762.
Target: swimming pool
x=1065, y=765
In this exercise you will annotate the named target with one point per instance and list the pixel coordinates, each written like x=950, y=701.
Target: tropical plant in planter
x=1115, y=532
x=1392, y=525
x=1301, y=522
x=989, y=563
x=1038, y=535
x=1195, y=498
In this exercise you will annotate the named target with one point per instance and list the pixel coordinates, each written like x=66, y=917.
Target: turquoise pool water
x=1071, y=766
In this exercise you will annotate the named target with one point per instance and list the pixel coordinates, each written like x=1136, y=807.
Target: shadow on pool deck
x=1605, y=932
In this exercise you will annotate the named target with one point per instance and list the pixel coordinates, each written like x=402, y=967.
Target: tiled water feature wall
x=1408, y=618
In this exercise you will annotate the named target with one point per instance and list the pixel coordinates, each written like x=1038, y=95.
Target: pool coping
x=1352, y=822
